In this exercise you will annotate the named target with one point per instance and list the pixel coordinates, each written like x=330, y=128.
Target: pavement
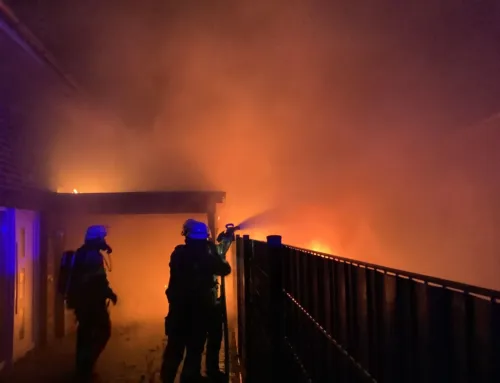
x=133, y=354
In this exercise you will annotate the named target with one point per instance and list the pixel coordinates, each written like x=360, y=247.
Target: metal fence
x=311, y=317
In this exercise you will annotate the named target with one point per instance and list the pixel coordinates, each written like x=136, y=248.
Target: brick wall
x=11, y=130
x=10, y=172
x=24, y=133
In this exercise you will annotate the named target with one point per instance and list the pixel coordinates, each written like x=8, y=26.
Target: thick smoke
x=352, y=119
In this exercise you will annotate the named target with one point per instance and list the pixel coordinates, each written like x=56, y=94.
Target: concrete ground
x=132, y=355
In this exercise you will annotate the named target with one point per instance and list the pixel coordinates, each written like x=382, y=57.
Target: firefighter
x=214, y=339
x=191, y=300
x=88, y=294
x=214, y=330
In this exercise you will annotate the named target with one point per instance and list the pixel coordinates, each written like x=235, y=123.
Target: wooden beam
x=178, y=202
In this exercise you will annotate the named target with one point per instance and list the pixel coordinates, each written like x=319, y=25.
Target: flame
x=81, y=189
x=319, y=247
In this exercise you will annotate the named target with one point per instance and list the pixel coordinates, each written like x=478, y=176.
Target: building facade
x=26, y=79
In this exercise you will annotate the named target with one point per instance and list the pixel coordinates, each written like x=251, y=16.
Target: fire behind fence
x=304, y=316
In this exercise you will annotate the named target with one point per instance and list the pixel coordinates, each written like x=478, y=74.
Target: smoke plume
x=359, y=121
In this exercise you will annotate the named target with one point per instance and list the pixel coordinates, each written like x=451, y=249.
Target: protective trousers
x=93, y=333
x=186, y=330
x=214, y=339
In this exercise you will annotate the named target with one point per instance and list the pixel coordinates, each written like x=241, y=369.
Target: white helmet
x=96, y=232
x=198, y=230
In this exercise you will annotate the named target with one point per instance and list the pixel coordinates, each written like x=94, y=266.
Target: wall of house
x=25, y=136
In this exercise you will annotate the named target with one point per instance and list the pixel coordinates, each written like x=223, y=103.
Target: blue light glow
x=8, y=241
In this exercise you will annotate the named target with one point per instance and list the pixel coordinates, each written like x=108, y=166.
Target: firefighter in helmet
x=215, y=322
x=191, y=300
x=89, y=293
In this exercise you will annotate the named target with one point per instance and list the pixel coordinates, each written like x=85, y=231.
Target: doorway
x=26, y=245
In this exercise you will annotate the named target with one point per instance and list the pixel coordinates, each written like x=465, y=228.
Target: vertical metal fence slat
x=421, y=332
x=247, y=291
x=363, y=339
x=405, y=325
x=298, y=282
x=391, y=358
x=322, y=280
x=458, y=327
x=340, y=305
x=379, y=310
x=328, y=293
x=314, y=312
x=313, y=286
x=242, y=309
x=372, y=337
x=304, y=274
x=439, y=301
x=351, y=303
x=334, y=299
x=276, y=305
x=495, y=325
x=482, y=340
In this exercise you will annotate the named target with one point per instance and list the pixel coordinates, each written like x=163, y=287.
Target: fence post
x=247, y=346
x=276, y=309
x=239, y=299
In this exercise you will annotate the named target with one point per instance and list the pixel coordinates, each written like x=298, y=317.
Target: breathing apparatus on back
x=95, y=237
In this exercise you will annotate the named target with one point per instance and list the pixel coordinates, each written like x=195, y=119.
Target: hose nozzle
x=229, y=233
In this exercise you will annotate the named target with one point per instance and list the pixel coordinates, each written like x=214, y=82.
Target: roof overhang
x=161, y=202
x=166, y=202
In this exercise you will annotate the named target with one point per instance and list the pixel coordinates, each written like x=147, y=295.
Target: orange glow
x=319, y=247
x=258, y=235
x=79, y=186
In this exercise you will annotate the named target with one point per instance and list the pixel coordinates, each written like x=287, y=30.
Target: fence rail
x=305, y=316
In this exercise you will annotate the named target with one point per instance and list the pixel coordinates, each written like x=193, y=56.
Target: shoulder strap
x=70, y=267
